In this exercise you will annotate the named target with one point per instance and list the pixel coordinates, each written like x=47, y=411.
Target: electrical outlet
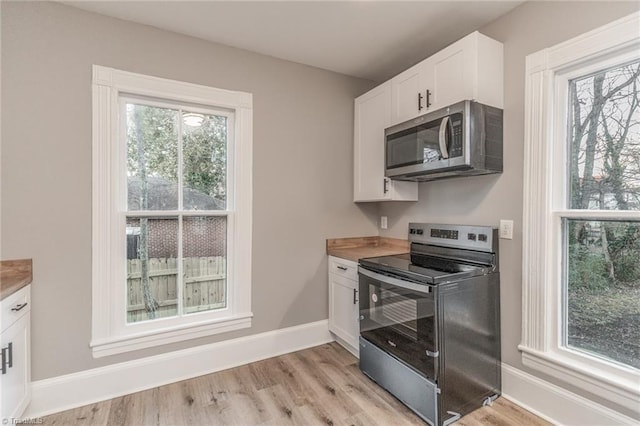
x=383, y=222
x=506, y=229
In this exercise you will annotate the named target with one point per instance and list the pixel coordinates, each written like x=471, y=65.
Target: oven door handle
x=420, y=288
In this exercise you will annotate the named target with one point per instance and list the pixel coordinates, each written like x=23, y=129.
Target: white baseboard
x=99, y=384
x=555, y=404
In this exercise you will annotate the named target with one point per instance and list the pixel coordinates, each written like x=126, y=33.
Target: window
x=171, y=211
x=581, y=276
x=602, y=283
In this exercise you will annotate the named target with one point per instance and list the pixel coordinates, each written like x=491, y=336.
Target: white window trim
x=108, y=334
x=547, y=75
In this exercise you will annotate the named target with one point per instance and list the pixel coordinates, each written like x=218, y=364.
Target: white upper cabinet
x=409, y=94
x=372, y=116
x=471, y=68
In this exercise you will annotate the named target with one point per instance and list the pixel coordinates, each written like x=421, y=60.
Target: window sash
x=180, y=283
x=180, y=107
x=122, y=324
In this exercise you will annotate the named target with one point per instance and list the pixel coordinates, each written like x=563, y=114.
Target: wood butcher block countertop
x=14, y=274
x=355, y=249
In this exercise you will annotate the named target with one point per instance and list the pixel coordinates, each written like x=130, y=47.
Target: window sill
x=622, y=388
x=127, y=343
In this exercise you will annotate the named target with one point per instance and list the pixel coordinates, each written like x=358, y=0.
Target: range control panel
x=470, y=237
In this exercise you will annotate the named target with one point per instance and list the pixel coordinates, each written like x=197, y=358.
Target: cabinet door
x=14, y=384
x=372, y=116
x=470, y=68
x=409, y=90
x=453, y=71
x=343, y=309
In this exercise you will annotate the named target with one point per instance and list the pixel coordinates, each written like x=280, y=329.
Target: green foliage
x=624, y=248
x=205, y=156
x=587, y=270
x=158, y=129
x=204, y=148
x=594, y=265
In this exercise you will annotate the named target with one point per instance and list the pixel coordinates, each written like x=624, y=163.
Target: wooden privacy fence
x=204, y=284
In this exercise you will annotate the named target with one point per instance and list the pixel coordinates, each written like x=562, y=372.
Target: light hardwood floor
x=316, y=386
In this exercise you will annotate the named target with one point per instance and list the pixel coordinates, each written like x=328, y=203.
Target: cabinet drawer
x=342, y=267
x=15, y=306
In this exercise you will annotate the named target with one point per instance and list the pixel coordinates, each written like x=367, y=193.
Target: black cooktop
x=421, y=268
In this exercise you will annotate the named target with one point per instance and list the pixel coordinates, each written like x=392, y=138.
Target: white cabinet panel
x=409, y=97
x=452, y=75
x=372, y=115
x=15, y=306
x=15, y=378
x=343, y=307
x=470, y=68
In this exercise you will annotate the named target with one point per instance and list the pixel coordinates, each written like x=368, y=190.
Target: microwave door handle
x=419, y=288
x=442, y=138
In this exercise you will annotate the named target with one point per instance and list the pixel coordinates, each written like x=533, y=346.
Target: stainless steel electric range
x=430, y=321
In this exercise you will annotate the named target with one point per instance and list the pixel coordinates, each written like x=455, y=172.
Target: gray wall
x=303, y=133
x=487, y=199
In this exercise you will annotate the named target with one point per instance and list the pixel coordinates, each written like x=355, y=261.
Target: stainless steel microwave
x=461, y=140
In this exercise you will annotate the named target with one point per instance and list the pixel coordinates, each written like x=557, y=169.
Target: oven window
x=396, y=311
x=400, y=322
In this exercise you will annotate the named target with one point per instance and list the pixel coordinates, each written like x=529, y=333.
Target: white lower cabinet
x=343, y=303
x=15, y=367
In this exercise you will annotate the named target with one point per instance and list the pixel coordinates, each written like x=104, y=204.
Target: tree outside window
x=602, y=255
x=176, y=162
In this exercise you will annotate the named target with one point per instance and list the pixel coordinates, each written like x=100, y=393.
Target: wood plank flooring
x=316, y=386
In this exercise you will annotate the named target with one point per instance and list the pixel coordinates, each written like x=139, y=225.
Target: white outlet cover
x=506, y=229
x=383, y=222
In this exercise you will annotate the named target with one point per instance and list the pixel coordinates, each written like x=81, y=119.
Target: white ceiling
x=368, y=39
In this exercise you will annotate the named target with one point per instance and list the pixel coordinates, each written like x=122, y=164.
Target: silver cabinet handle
x=341, y=268
x=355, y=292
x=7, y=358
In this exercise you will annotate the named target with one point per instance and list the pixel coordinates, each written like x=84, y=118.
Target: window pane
x=602, y=307
x=152, y=268
x=205, y=263
x=204, y=161
x=152, y=158
x=605, y=140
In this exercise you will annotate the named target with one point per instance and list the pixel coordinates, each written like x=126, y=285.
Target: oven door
x=399, y=317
